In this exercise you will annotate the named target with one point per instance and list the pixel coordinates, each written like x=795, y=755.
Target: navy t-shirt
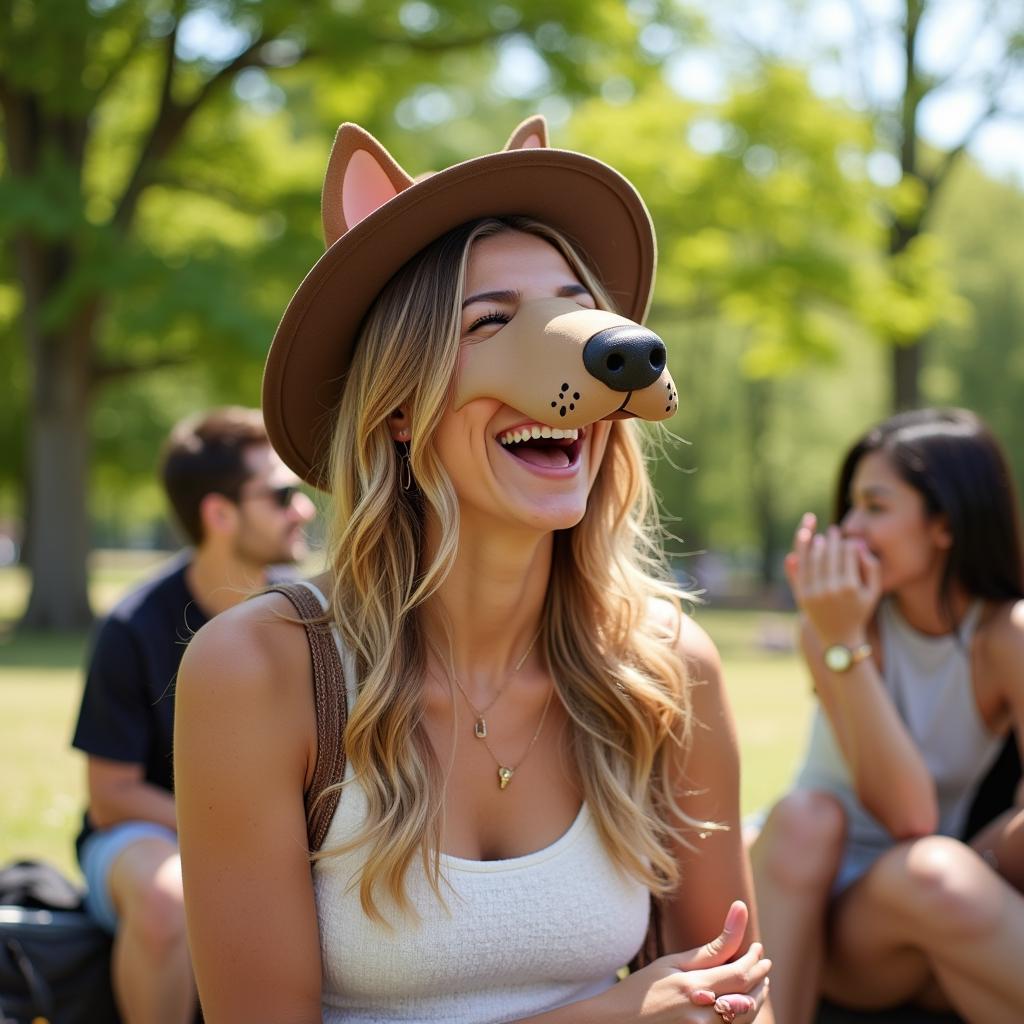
x=127, y=711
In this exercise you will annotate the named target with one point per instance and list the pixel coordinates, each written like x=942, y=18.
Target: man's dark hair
x=205, y=454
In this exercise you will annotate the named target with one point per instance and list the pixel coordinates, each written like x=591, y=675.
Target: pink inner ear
x=365, y=188
x=532, y=141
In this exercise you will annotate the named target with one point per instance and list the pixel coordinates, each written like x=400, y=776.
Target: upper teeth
x=528, y=433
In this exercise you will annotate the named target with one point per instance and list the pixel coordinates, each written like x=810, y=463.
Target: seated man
x=241, y=509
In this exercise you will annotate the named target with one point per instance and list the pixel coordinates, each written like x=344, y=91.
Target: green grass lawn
x=42, y=784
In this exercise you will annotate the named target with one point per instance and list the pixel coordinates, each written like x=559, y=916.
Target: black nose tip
x=625, y=358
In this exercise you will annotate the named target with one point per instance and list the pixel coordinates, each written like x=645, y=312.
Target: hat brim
x=587, y=200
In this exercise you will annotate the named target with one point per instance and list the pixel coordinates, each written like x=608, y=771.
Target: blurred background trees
x=159, y=201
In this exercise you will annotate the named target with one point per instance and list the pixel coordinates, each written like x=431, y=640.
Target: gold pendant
x=480, y=728
x=504, y=777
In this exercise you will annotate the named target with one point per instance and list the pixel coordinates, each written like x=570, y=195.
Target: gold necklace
x=480, y=725
x=505, y=772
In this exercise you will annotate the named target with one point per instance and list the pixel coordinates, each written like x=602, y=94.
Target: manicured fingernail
x=703, y=997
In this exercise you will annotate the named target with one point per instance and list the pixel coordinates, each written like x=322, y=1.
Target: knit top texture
x=513, y=937
x=928, y=679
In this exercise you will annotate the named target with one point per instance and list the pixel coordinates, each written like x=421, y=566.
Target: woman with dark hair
x=912, y=627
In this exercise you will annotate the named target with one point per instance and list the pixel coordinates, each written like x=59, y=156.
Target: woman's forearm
x=889, y=774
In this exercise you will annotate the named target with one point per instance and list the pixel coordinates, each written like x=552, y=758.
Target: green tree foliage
x=979, y=360
x=896, y=61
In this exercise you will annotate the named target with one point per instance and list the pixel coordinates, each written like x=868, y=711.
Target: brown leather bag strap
x=331, y=706
x=654, y=940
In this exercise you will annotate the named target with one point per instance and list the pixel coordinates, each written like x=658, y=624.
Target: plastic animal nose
x=626, y=358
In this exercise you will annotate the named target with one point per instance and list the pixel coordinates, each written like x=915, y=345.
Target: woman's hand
x=836, y=583
x=699, y=986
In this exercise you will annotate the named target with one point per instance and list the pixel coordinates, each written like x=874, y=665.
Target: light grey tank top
x=929, y=681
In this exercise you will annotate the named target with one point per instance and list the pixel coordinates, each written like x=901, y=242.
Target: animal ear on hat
x=361, y=177
x=531, y=134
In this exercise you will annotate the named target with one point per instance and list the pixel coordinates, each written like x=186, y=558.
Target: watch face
x=838, y=658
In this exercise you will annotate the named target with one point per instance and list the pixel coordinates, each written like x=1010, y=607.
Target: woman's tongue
x=551, y=456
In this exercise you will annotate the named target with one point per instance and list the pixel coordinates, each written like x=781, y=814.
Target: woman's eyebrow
x=512, y=296
x=873, y=491
x=508, y=297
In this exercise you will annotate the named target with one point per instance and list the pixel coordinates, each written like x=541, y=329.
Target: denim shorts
x=100, y=851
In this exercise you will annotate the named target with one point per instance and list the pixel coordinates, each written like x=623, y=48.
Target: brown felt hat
x=376, y=218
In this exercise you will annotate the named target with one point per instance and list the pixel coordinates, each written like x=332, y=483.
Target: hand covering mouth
x=544, y=446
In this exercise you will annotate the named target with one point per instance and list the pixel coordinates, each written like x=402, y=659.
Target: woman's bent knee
x=801, y=844
x=941, y=886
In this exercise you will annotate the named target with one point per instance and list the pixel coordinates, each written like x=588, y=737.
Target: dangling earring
x=405, y=471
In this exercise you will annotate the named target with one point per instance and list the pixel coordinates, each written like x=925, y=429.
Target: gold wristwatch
x=840, y=658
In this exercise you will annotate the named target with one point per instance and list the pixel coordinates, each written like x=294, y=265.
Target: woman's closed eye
x=494, y=317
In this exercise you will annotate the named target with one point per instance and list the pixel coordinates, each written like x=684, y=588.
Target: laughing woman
x=913, y=631
x=537, y=738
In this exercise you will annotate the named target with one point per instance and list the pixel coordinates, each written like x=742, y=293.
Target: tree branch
x=911, y=95
x=212, y=190
x=121, y=62
x=949, y=77
x=934, y=181
x=107, y=371
x=126, y=206
x=427, y=45
x=171, y=120
x=248, y=58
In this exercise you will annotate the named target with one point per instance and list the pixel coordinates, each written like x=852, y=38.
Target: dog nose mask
x=564, y=366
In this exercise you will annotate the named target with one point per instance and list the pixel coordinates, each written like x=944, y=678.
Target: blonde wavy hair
x=615, y=669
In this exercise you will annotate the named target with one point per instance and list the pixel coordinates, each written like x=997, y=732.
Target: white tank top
x=929, y=681
x=518, y=937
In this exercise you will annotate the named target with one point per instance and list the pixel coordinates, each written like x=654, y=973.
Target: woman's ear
x=399, y=424
x=942, y=536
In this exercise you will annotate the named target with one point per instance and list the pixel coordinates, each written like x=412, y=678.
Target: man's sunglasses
x=282, y=497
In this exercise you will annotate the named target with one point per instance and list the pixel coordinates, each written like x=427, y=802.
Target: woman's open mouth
x=543, y=446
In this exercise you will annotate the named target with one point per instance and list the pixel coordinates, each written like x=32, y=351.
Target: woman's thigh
x=870, y=963
x=927, y=902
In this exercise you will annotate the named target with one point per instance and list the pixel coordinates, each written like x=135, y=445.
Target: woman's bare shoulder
x=689, y=639
x=1000, y=642
x=257, y=647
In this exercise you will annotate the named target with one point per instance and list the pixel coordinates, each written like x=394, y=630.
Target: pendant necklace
x=505, y=772
x=480, y=725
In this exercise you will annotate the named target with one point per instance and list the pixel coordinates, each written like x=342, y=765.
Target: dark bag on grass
x=54, y=961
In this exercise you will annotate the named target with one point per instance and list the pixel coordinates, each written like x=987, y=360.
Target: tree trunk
x=58, y=444
x=762, y=478
x=59, y=467
x=907, y=361
x=60, y=362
